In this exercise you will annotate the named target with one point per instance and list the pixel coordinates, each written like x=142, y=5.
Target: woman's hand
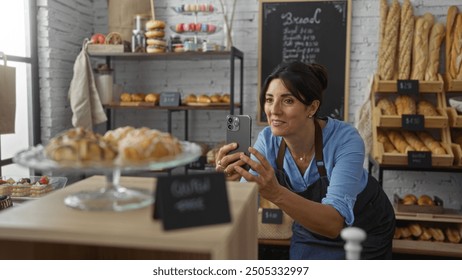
x=268, y=184
x=226, y=162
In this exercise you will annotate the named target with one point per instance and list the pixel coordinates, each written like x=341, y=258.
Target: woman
x=312, y=168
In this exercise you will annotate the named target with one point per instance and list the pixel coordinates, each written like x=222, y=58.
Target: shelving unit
x=383, y=161
x=232, y=55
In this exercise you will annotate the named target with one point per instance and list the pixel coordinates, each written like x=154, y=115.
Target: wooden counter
x=47, y=229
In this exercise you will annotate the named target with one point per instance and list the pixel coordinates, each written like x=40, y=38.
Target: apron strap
x=318, y=151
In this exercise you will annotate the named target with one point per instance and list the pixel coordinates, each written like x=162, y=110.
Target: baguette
x=399, y=142
x=456, y=48
x=436, y=38
x=382, y=43
x=387, y=145
x=391, y=40
x=420, y=48
x=431, y=143
x=450, y=26
x=406, y=34
x=426, y=108
x=414, y=141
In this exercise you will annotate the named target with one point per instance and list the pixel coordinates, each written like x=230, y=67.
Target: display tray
x=143, y=104
x=54, y=182
x=432, y=209
x=207, y=104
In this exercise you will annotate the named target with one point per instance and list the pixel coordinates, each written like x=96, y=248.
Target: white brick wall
x=63, y=24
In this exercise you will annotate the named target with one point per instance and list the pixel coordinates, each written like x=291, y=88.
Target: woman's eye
x=269, y=100
x=289, y=101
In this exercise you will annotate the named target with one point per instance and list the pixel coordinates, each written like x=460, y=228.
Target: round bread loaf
x=425, y=200
x=409, y=199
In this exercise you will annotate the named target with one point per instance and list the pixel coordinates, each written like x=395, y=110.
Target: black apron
x=373, y=213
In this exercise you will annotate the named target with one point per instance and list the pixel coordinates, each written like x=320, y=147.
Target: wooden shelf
x=171, y=108
x=431, y=248
x=224, y=55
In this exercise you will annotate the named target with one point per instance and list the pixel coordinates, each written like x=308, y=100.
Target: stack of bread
x=395, y=141
x=409, y=45
x=152, y=98
x=416, y=231
x=124, y=145
x=405, y=104
x=155, y=36
x=215, y=98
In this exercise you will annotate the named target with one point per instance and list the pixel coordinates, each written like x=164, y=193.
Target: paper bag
x=122, y=15
x=7, y=97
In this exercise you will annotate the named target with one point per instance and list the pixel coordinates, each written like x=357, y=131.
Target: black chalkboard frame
x=335, y=103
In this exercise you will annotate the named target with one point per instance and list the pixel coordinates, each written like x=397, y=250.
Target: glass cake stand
x=112, y=196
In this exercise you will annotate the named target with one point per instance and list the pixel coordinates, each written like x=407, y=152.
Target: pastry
x=426, y=234
x=190, y=98
x=425, y=200
x=152, y=98
x=415, y=141
x=125, y=97
x=452, y=235
x=386, y=106
x=405, y=105
x=409, y=199
x=144, y=145
x=426, y=108
x=138, y=97
x=156, y=33
x=114, y=136
x=226, y=98
x=387, y=145
x=405, y=233
x=114, y=38
x=79, y=145
x=437, y=234
x=416, y=229
x=215, y=98
x=391, y=41
x=431, y=143
x=155, y=24
x=203, y=98
x=156, y=45
x=406, y=35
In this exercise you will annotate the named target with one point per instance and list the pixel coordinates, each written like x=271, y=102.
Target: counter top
x=46, y=228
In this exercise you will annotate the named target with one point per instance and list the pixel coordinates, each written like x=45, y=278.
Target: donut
x=156, y=45
x=155, y=33
x=155, y=24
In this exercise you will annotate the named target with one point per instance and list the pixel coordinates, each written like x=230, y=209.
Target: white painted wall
x=64, y=24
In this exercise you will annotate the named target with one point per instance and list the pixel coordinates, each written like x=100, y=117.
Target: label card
x=192, y=200
x=271, y=216
x=199, y=164
x=419, y=159
x=413, y=122
x=170, y=99
x=408, y=87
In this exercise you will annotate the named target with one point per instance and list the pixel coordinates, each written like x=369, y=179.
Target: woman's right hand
x=225, y=162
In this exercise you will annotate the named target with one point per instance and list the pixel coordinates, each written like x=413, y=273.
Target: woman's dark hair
x=306, y=82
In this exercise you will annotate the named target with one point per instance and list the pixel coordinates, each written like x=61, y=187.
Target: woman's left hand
x=266, y=178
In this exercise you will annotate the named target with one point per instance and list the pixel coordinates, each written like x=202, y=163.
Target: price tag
x=419, y=159
x=413, y=122
x=184, y=201
x=408, y=87
x=169, y=99
x=271, y=216
x=199, y=164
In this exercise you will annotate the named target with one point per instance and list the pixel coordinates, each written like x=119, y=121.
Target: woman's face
x=286, y=114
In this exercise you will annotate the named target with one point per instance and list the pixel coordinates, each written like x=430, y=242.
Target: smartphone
x=238, y=130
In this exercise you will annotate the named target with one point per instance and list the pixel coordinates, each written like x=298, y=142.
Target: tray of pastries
x=30, y=187
x=207, y=100
x=418, y=204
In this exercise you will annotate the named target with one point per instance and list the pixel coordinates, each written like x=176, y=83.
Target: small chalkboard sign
x=191, y=200
x=419, y=159
x=408, y=87
x=271, y=216
x=308, y=31
x=413, y=122
x=170, y=99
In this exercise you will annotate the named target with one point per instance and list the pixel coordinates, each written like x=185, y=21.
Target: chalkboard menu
x=308, y=31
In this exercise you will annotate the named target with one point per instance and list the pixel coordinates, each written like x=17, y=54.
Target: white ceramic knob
x=353, y=237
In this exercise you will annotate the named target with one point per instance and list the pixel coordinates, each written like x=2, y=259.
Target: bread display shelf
x=401, y=159
x=391, y=85
x=457, y=151
x=427, y=248
x=452, y=85
x=152, y=106
x=455, y=120
x=105, y=48
x=437, y=208
x=382, y=120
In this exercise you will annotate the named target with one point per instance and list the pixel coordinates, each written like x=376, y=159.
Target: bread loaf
x=456, y=48
x=426, y=234
x=436, y=38
x=420, y=48
x=409, y=199
x=406, y=35
x=415, y=229
x=414, y=141
x=453, y=235
x=382, y=43
x=405, y=105
x=431, y=143
x=450, y=26
x=425, y=200
x=399, y=142
x=386, y=106
x=437, y=234
x=190, y=98
x=391, y=40
x=426, y=108
x=387, y=145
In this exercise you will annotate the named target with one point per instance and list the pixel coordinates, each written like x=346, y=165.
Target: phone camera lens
x=230, y=120
x=230, y=127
